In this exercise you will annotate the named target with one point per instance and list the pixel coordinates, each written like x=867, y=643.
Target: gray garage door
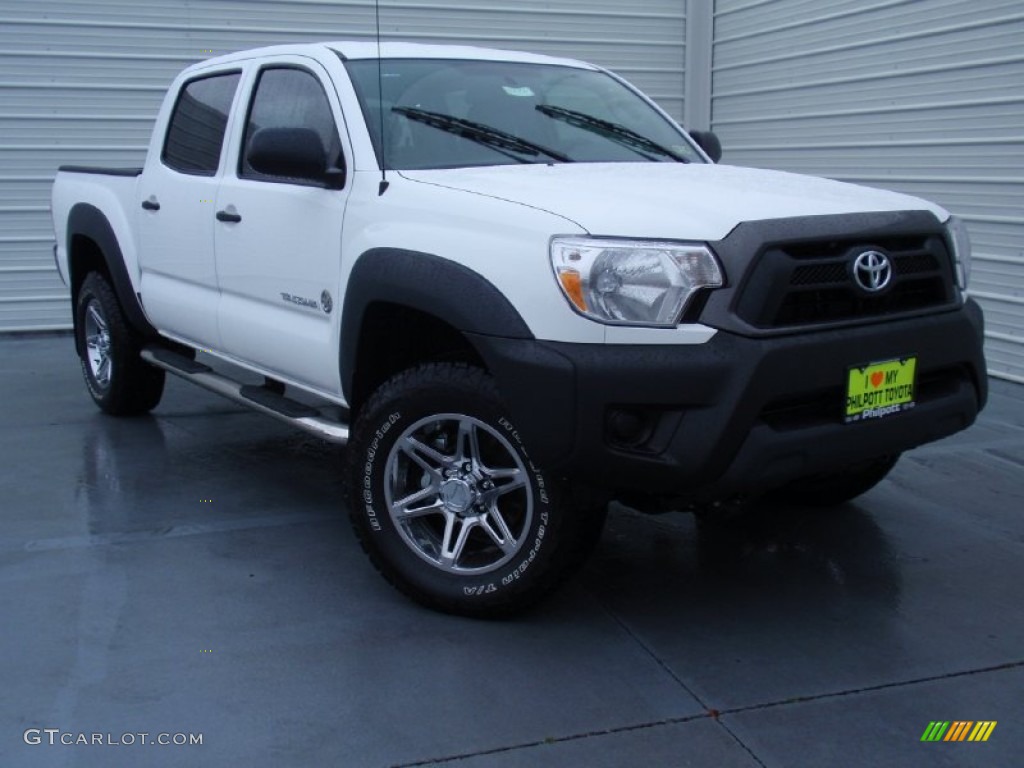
x=81, y=81
x=921, y=96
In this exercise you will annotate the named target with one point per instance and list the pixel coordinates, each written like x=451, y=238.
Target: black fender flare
x=89, y=221
x=431, y=284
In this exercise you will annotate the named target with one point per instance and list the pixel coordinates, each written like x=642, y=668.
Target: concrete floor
x=194, y=572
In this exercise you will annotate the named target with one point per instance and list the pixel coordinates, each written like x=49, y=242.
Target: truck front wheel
x=445, y=499
x=119, y=381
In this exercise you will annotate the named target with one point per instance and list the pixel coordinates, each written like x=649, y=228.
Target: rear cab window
x=195, y=132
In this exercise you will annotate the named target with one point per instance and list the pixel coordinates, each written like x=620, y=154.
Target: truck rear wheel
x=445, y=499
x=832, y=489
x=118, y=380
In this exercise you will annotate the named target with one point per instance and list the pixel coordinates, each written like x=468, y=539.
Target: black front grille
x=820, y=274
x=801, y=284
x=916, y=264
x=826, y=305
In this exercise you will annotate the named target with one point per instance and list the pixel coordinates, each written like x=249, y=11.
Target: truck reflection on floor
x=791, y=560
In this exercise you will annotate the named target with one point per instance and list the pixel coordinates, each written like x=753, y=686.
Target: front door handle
x=233, y=218
x=151, y=204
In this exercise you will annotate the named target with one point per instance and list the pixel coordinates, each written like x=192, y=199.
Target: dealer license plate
x=880, y=389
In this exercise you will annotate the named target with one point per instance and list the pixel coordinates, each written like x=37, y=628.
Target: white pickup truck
x=521, y=290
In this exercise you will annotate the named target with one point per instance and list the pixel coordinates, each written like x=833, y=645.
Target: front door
x=278, y=237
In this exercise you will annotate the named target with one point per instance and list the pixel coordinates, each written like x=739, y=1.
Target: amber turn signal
x=573, y=287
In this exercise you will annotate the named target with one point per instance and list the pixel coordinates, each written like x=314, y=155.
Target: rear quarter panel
x=113, y=196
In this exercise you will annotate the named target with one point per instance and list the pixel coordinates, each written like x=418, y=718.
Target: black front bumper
x=736, y=414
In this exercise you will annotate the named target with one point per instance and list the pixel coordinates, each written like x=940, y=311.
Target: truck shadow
x=793, y=559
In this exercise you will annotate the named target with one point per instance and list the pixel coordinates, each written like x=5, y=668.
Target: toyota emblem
x=872, y=271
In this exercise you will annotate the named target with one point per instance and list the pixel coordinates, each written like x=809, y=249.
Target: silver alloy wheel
x=458, y=493
x=97, y=344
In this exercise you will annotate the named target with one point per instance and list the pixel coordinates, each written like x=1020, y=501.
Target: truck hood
x=668, y=200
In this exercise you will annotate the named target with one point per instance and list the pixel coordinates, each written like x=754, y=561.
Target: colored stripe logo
x=959, y=730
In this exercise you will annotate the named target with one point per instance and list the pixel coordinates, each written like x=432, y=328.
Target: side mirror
x=707, y=141
x=293, y=153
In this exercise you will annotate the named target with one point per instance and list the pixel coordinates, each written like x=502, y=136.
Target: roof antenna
x=380, y=96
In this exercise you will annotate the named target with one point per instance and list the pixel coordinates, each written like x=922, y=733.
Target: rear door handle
x=151, y=205
x=234, y=218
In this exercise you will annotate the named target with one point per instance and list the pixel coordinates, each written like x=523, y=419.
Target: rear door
x=177, y=194
x=279, y=244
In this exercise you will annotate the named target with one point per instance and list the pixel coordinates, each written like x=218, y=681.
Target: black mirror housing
x=709, y=142
x=292, y=153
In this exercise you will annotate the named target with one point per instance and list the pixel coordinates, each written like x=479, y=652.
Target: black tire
x=833, y=489
x=483, y=534
x=119, y=381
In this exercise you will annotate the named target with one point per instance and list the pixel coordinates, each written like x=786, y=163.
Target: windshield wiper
x=614, y=131
x=480, y=133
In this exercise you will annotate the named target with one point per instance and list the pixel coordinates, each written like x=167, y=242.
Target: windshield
x=441, y=113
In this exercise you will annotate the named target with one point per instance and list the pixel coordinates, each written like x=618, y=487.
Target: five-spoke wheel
x=97, y=343
x=446, y=500
x=457, y=492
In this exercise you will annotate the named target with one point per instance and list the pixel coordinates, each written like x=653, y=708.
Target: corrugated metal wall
x=81, y=81
x=920, y=96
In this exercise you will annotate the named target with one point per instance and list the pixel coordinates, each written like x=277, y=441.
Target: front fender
x=431, y=284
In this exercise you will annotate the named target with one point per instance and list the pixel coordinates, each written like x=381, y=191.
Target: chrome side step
x=265, y=401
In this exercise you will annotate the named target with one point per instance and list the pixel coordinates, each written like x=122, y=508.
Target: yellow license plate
x=880, y=389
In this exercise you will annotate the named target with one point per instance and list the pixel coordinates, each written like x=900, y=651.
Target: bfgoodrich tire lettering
x=445, y=499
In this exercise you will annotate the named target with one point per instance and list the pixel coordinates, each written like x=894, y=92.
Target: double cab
x=514, y=288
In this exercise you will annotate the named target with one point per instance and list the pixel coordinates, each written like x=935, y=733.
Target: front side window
x=195, y=133
x=437, y=113
x=289, y=98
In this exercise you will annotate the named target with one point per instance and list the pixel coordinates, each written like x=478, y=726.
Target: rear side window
x=196, y=131
x=289, y=98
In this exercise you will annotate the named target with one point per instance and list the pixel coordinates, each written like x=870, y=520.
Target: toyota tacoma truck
x=516, y=289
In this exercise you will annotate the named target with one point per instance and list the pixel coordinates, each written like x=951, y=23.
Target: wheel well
x=393, y=338
x=84, y=256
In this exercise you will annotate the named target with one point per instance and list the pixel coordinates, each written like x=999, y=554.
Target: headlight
x=632, y=282
x=961, y=250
